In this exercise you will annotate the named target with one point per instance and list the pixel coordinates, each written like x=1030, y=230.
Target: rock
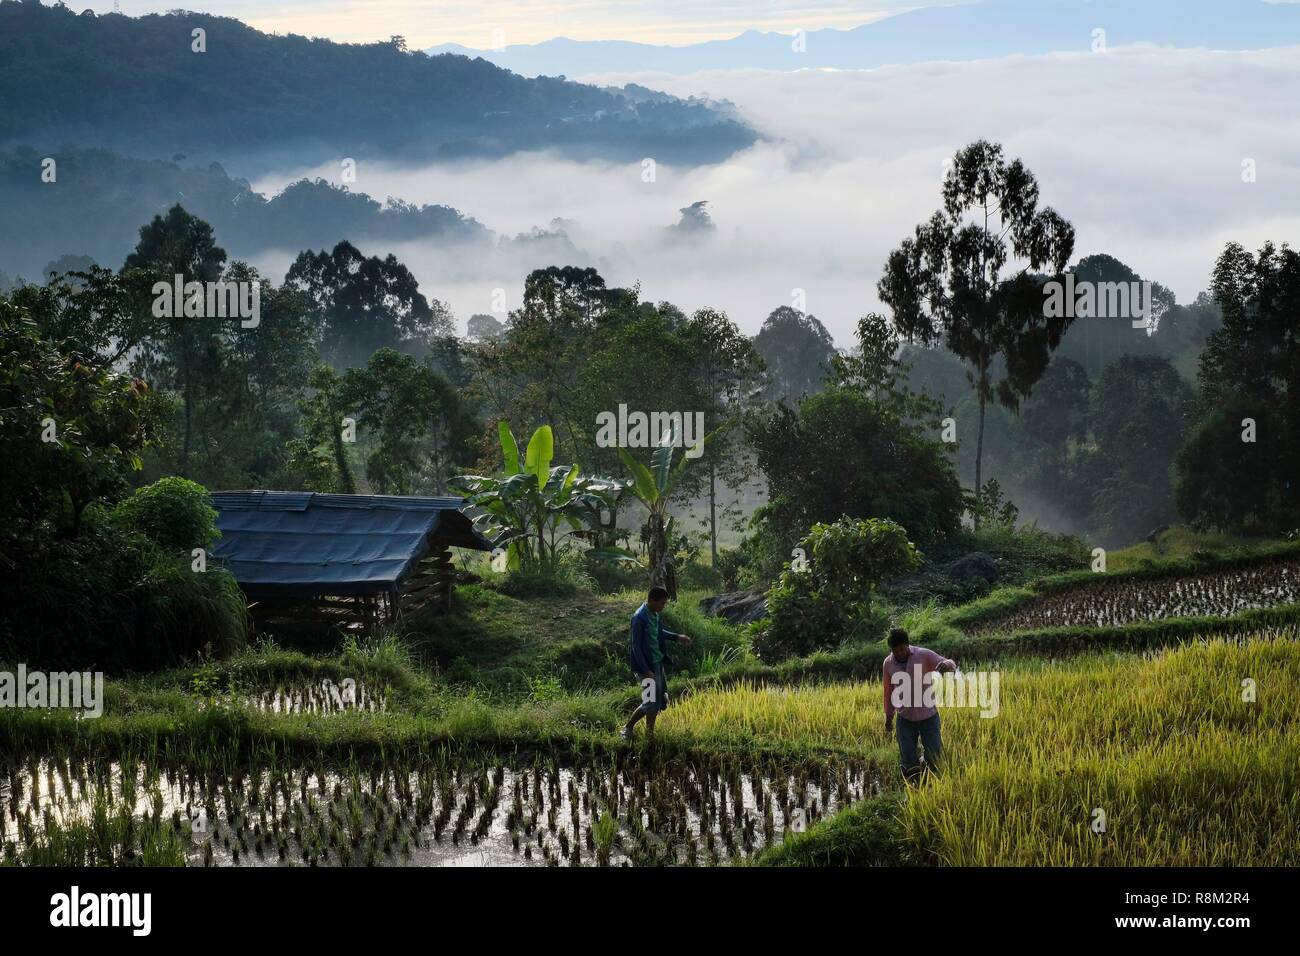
x=977, y=564
x=737, y=607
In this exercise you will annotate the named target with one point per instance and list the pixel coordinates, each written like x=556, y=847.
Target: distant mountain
x=991, y=28
x=101, y=199
x=254, y=101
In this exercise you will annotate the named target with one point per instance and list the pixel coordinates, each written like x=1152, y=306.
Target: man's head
x=899, y=644
x=656, y=599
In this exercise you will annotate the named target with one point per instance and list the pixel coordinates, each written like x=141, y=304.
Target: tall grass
x=1185, y=771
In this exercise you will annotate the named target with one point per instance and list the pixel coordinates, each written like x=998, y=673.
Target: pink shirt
x=920, y=661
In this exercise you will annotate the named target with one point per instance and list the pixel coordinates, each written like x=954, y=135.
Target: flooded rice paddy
x=623, y=810
x=1115, y=602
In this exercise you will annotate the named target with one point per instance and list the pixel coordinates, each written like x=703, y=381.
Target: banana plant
x=528, y=510
x=653, y=487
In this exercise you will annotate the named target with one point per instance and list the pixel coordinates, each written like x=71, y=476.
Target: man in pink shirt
x=906, y=697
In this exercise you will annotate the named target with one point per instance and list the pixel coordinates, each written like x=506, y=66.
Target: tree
x=654, y=488
x=948, y=283
x=527, y=509
x=841, y=453
x=416, y=426
x=1139, y=413
x=320, y=456
x=365, y=303
x=866, y=447
x=71, y=432
x=1057, y=411
x=1100, y=339
x=533, y=372
x=484, y=328
x=726, y=367
x=1249, y=400
x=183, y=354
x=797, y=352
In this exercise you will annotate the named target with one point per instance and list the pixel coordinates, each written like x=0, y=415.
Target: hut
x=307, y=559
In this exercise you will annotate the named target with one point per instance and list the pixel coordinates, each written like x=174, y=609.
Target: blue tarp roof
x=291, y=543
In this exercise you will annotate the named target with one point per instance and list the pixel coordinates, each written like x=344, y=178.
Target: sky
x=473, y=23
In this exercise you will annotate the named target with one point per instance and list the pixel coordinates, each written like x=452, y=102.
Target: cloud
x=1141, y=149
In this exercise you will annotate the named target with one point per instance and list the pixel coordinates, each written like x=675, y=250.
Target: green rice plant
x=603, y=831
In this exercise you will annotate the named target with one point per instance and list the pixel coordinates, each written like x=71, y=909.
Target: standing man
x=646, y=654
x=905, y=668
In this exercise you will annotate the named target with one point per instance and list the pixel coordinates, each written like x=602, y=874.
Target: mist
x=1142, y=149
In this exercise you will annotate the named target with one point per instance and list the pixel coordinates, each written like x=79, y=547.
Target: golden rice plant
x=1185, y=767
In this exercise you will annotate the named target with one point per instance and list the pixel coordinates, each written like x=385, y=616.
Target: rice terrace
x=441, y=443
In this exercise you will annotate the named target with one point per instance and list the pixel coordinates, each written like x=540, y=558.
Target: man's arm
x=673, y=635
x=943, y=665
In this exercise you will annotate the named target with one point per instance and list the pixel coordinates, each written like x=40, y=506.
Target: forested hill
x=253, y=99
x=102, y=198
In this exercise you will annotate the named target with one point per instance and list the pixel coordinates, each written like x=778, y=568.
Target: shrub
x=828, y=602
x=174, y=513
x=567, y=575
x=117, y=601
x=614, y=576
x=695, y=576
x=733, y=566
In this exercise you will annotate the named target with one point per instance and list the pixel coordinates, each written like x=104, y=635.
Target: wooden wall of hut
x=430, y=585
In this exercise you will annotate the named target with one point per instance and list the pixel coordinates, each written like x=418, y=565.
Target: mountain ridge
x=968, y=31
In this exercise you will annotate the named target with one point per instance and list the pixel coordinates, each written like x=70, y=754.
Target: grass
x=864, y=834
x=1144, y=722
x=1179, y=542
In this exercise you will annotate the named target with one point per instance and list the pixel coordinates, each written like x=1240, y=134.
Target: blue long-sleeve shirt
x=639, y=649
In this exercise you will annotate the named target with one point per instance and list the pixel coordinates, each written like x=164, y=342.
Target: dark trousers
x=909, y=733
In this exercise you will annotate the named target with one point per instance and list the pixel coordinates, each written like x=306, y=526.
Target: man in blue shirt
x=647, y=655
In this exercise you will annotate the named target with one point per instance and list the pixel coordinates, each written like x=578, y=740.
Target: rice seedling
x=1116, y=601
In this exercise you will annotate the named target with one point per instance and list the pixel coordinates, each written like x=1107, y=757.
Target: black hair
x=897, y=636
x=657, y=593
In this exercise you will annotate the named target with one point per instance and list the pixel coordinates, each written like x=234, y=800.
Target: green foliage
x=829, y=601
x=363, y=304
x=1249, y=379
x=71, y=431
x=797, y=352
x=1139, y=415
x=733, y=566
x=697, y=576
x=118, y=601
x=415, y=425
x=989, y=506
x=174, y=513
x=534, y=507
x=566, y=575
x=653, y=487
x=926, y=624
x=841, y=453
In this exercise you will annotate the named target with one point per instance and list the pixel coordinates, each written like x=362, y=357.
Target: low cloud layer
x=1141, y=149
